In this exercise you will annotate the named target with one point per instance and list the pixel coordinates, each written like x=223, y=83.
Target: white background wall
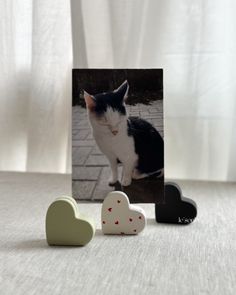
x=193, y=41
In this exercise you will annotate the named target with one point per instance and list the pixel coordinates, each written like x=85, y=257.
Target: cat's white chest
x=120, y=145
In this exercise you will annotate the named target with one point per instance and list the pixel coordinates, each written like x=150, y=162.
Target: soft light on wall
x=194, y=42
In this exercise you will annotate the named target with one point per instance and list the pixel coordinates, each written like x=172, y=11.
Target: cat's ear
x=89, y=100
x=123, y=90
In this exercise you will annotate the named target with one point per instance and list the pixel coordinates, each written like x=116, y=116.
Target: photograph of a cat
x=131, y=141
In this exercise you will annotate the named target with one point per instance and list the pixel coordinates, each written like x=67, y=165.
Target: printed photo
x=117, y=134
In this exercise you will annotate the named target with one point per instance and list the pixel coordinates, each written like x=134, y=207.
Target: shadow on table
x=26, y=245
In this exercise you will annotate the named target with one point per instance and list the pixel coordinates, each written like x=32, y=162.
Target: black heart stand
x=175, y=208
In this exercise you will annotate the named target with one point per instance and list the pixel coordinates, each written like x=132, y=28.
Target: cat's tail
x=137, y=175
x=159, y=173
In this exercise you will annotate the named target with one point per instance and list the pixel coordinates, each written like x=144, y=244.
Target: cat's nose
x=114, y=132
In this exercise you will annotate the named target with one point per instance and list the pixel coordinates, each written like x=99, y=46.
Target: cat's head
x=107, y=110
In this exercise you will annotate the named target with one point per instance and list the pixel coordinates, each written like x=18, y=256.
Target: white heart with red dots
x=121, y=218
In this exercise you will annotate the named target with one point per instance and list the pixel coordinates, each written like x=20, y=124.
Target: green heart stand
x=65, y=226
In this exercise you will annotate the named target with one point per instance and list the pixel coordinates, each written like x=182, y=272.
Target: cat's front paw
x=112, y=182
x=126, y=181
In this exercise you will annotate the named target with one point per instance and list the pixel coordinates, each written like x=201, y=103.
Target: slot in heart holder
x=175, y=208
x=65, y=226
x=119, y=217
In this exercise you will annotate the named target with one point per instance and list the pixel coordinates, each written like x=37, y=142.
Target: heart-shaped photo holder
x=119, y=217
x=65, y=226
x=175, y=208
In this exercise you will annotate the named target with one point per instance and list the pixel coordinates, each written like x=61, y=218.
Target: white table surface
x=165, y=259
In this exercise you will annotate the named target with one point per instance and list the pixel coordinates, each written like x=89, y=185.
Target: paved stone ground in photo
x=90, y=171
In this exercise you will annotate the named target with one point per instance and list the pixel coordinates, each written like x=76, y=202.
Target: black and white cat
x=130, y=140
